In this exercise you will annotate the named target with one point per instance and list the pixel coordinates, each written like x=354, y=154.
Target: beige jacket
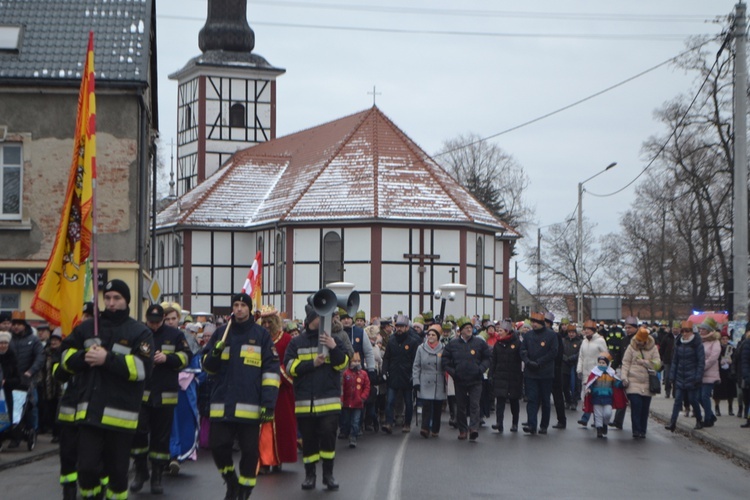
x=635, y=365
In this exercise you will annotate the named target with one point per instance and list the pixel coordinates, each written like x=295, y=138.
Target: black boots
x=600, y=432
x=671, y=427
x=231, y=479
x=244, y=492
x=698, y=424
x=70, y=491
x=141, y=473
x=156, y=472
x=309, y=482
x=328, y=479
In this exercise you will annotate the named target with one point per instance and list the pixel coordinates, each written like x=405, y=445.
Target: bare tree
x=491, y=175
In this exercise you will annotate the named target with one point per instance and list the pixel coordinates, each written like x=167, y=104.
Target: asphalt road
x=564, y=464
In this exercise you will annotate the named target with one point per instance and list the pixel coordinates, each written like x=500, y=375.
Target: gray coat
x=427, y=372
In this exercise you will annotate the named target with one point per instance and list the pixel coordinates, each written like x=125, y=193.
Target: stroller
x=20, y=430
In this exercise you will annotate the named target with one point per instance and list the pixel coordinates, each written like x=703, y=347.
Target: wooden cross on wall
x=453, y=273
x=422, y=257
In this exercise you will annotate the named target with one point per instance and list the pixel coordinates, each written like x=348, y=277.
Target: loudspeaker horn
x=323, y=302
x=349, y=303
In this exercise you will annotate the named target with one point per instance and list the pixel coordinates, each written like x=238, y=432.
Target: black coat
x=466, y=361
x=398, y=359
x=506, y=372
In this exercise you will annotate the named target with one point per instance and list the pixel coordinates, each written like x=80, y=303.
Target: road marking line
x=394, y=489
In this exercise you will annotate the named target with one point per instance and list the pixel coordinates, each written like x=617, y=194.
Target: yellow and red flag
x=59, y=293
x=254, y=282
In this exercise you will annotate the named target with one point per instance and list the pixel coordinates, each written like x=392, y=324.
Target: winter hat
x=244, y=298
x=725, y=331
x=310, y=315
x=605, y=356
x=505, y=325
x=564, y=321
x=5, y=337
x=291, y=326
x=120, y=287
x=88, y=308
x=632, y=321
x=642, y=335
x=708, y=324
x=4, y=317
x=548, y=316
x=402, y=320
x=56, y=333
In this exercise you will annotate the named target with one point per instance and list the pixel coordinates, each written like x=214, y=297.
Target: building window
x=188, y=116
x=11, y=159
x=177, y=253
x=161, y=254
x=480, y=266
x=279, y=256
x=10, y=302
x=237, y=116
x=333, y=257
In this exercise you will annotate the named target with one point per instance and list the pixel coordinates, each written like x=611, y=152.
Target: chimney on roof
x=226, y=27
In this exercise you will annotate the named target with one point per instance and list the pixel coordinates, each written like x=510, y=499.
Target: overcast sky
x=444, y=68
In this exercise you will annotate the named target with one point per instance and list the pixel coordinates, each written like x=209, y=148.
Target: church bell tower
x=226, y=98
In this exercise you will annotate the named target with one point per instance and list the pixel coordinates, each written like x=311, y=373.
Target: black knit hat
x=88, y=308
x=244, y=298
x=120, y=287
x=310, y=315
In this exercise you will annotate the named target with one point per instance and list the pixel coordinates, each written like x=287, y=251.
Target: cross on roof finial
x=374, y=94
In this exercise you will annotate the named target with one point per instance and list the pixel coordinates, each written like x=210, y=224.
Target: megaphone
x=323, y=302
x=349, y=303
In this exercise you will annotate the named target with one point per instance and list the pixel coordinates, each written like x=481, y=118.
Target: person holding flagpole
x=245, y=365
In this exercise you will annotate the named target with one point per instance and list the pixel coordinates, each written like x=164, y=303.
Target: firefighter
x=245, y=365
x=112, y=365
x=171, y=354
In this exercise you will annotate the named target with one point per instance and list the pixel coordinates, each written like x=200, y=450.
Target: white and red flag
x=254, y=282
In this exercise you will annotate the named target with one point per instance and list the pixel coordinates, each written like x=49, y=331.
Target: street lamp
x=579, y=246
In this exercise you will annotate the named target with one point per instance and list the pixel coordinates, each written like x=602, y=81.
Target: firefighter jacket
x=163, y=385
x=246, y=373
x=317, y=389
x=109, y=396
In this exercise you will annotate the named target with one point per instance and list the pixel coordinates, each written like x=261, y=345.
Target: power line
x=674, y=132
x=576, y=103
x=655, y=37
x=572, y=16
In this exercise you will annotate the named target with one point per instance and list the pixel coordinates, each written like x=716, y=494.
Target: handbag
x=654, y=384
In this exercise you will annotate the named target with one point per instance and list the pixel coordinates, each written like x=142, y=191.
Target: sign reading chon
x=27, y=279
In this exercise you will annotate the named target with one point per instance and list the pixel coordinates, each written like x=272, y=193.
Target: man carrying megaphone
x=317, y=394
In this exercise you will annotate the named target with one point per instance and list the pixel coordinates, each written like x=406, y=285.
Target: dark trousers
x=619, y=417
x=538, y=392
x=406, y=395
x=515, y=409
x=571, y=385
x=68, y=453
x=432, y=409
x=349, y=422
x=639, y=406
x=154, y=430
x=558, y=398
x=103, y=451
x=467, y=398
x=318, y=437
x=221, y=440
x=690, y=396
x=666, y=379
x=485, y=402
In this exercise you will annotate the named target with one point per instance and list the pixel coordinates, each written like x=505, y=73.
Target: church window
x=10, y=181
x=480, y=267
x=161, y=254
x=333, y=265
x=237, y=116
x=188, y=118
x=279, y=258
x=177, y=257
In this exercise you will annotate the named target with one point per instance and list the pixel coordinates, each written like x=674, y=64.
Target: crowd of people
x=280, y=390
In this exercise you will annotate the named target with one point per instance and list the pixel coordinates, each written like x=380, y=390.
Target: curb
x=27, y=459
x=704, y=437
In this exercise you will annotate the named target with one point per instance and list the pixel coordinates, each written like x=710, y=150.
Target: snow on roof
x=359, y=167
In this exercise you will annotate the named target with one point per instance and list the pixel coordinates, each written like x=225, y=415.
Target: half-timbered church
x=353, y=199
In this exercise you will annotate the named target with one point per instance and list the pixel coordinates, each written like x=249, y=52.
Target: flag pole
x=94, y=219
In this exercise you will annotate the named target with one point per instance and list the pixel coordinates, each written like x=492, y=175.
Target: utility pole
x=740, y=270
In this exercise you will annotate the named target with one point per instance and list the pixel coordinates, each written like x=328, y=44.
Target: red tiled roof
x=359, y=167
